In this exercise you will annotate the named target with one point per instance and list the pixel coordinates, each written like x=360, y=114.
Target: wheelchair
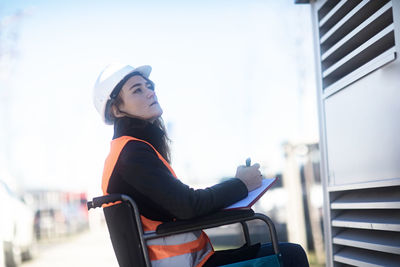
x=129, y=240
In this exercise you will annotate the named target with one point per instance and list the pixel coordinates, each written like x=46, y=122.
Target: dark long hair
x=164, y=148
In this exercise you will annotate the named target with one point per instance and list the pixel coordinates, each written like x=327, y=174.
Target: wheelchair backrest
x=124, y=234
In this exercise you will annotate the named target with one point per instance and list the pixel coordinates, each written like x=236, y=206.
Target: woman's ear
x=116, y=112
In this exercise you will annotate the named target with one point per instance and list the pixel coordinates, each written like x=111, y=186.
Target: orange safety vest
x=187, y=249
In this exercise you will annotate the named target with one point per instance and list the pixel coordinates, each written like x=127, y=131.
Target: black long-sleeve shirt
x=140, y=174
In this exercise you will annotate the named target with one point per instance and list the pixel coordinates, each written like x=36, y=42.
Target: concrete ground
x=91, y=248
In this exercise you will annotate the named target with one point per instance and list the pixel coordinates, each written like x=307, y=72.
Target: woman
x=138, y=165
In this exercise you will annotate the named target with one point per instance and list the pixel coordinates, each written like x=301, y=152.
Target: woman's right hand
x=250, y=176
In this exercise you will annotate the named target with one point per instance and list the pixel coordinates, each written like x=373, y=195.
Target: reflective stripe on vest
x=188, y=249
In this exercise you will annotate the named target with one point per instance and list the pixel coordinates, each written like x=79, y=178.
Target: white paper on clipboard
x=253, y=196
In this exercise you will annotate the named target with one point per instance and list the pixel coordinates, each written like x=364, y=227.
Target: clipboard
x=253, y=196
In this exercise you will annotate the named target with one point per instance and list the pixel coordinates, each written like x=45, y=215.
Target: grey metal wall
x=357, y=45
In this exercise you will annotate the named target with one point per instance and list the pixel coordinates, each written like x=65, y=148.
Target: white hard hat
x=108, y=80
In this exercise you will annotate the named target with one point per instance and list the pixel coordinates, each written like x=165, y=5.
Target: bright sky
x=235, y=79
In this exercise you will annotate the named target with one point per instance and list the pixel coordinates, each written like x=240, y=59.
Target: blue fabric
x=270, y=261
x=293, y=255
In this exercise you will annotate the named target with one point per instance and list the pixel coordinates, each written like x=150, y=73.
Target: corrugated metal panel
x=384, y=241
x=362, y=205
x=365, y=258
x=366, y=226
x=356, y=37
x=385, y=220
x=376, y=198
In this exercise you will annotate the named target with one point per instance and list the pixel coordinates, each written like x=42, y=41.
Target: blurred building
x=358, y=75
x=303, y=201
x=59, y=213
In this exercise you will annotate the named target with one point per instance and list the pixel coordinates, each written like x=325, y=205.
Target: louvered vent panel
x=366, y=226
x=356, y=37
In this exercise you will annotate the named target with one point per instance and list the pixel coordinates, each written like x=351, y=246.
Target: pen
x=248, y=162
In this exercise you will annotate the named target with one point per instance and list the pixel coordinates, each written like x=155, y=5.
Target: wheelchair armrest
x=97, y=202
x=215, y=219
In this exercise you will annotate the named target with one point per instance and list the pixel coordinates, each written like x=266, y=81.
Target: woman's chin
x=159, y=113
